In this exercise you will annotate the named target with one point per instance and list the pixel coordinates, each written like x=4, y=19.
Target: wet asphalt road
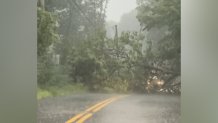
x=130, y=109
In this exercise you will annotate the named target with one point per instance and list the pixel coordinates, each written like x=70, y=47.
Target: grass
x=54, y=91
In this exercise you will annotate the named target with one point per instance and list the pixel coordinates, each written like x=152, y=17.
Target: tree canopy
x=76, y=31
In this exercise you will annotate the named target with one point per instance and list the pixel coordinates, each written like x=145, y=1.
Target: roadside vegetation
x=75, y=55
x=67, y=89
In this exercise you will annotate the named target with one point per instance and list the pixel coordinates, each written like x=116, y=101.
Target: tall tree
x=46, y=31
x=79, y=20
x=46, y=36
x=162, y=15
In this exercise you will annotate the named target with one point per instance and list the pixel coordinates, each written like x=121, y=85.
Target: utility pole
x=116, y=47
x=116, y=37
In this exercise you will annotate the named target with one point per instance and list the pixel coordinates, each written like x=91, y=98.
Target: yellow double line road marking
x=84, y=118
x=80, y=118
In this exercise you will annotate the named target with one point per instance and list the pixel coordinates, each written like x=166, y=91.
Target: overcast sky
x=116, y=8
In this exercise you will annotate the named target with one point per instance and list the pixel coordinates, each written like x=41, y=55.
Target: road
x=126, y=109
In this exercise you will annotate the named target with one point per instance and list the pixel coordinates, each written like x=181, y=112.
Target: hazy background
x=115, y=11
x=199, y=41
x=124, y=16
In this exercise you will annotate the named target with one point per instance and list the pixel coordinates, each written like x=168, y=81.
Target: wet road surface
x=128, y=109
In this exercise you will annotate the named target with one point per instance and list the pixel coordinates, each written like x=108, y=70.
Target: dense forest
x=75, y=51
